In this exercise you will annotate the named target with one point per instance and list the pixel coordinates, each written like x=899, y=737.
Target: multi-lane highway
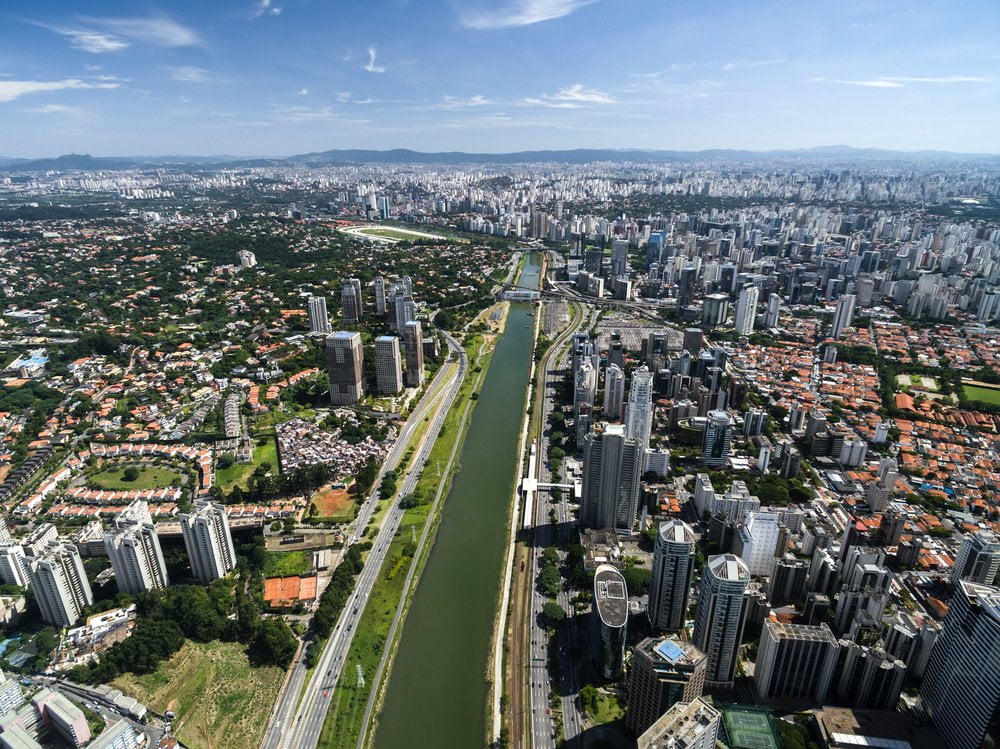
x=296, y=724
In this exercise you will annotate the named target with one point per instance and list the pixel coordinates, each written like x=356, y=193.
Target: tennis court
x=747, y=728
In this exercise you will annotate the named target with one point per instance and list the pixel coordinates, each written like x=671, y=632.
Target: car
x=326, y=693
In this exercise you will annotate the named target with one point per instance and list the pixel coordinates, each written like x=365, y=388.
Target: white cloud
x=548, y=103
x=56, y=109
x=88, y=40
x=302, y=92
x=940, y=79
x=371, y=67
x=753, y=64
x=190, y=74
x=576, y=92
x=456, y=102
x=869, y=83
x=10, y=90
x=160, y=31
x=264, y=7
x=674, y=67
x=518, y=13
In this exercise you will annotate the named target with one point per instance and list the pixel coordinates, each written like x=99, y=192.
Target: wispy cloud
x=571, y=97
x=158, y=30
x=371, y=67
x=674, y=67
x=938, y=79
x=57, y=109
x=10, y=90
x=190, y=74
x=88, y=40
x=517, y=13
x=867, y=83
x=736, y=65
x=457, y=102
x=302, y=92
x=264, y=8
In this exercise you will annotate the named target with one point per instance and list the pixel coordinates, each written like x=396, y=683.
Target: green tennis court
x=748, y=728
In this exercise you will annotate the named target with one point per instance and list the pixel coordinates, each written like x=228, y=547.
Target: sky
x=282, y=77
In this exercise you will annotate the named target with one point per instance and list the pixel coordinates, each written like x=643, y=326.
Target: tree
x=272, y=644
x=552, y=614
x=637, y=580
x=130, y=474
x=588, y=696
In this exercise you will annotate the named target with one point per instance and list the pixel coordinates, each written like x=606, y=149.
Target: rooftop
x=610, y=596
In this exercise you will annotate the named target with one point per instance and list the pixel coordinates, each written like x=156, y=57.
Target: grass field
x=285, y=563
x=219, y=698
x=150, y=477
x=239, y=473
x=986, y=395
x=343, y=723
x=608, y=709
x=335, y=504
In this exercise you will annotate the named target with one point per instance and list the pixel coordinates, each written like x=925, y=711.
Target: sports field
x=390, y=234
x=150, y=477
x=334, y=503
x=986, y=395
x=747, y=728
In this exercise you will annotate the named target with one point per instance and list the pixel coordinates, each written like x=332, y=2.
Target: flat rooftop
x=610, y=596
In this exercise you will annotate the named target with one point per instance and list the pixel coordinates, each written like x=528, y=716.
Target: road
x=296, y=723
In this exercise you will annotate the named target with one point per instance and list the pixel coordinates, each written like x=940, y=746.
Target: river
x=436, y=695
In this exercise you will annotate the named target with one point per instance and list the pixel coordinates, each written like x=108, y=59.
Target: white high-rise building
x=639, y=412
x=13, y=564
x=686, y=725
x=978, y=559
x=746, y=309
x=758, y=541
x=773, y=311
x=961, y=687
x=60, y=584
x=134, y=551
x=388, y=365
x=843, y=315
x=319, y=320
x=673, y=567
x=718, y=627
x=208, y=541
x=5, y=537
x=404, y=310
x=611, y=472
x=614, y=392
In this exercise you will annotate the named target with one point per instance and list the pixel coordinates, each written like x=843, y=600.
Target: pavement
x=297, y=724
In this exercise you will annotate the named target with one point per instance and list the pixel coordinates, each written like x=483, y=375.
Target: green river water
x=436, y=695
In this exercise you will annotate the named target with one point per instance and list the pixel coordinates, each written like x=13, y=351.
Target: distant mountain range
x=85, y=162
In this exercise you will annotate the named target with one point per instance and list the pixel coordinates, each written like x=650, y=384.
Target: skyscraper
x=664, y=671
x=687, y=725
x=961, y=688
x=404, y=310
x=60, y=584
x=619, y=258
x=609, y=617
x=134, y=551
x=795, y=661
x=639, y=411
x=714, y=310
x=673, y=567
x=614, y=392
x=716, y=439
x=413, y=343
x=388, y=365
x=978, y=559
x=208, y=541
x=757, y=542
x=349, y=303
x=345, y=367
x=773, y=311
x=319, y=320
x=380, y=296
x=746, y=309
x=611, y=473
x=843, y=315
x=718, y=628
x=13, y=564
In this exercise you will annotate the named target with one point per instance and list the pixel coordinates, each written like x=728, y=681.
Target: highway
x=296, y=724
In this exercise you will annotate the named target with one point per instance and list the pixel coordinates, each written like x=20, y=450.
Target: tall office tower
x=359, y=302
x=614, y=392
x=619, y=258
x=746, y=309
x=795, y=661
x=664, y=671
x=978, y=559
x=5, y=537
x=349, y=304
x=911, y=641
x=345, y=366
x=718, y=627
x=60, y=584
x=864, y=589
x=716, y=439
x=609, y=617
x=867, y=677
x=687, y=725
x=639, y=411
x=13, y=564
x=843, y=315
x=754, y=421
x=584, y=386
x=208, y=541
x=388, y=365
x=714, y=310
x=380, y=296
x=616, y=351
x=789, y=580
x=773, y=311
x=404, y=310
x=693, y=341
x=319, y=320
x=134, y=551
x=612, y=467
x=413, y=343
x=989, y=307
x=673, y=568
x=757, y=542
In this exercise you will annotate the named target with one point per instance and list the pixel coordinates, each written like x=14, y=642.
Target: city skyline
x=231, y=78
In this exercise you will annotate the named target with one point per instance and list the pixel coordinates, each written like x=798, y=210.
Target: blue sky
x=277, y=77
